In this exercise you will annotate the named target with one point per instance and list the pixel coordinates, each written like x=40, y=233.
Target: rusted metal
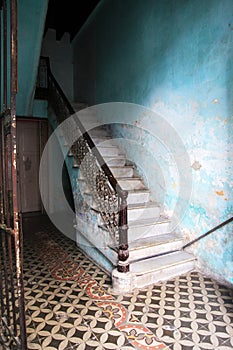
x=5, y=274
x=18, y=246
x=14, y=52
x=4, y=54
x=1, y=178
x=12, y=312
x=1, y=60
x=123, y=252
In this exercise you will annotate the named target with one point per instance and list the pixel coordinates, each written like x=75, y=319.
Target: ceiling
x=68, y=16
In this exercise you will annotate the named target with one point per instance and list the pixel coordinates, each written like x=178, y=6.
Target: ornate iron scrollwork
x=110, y=199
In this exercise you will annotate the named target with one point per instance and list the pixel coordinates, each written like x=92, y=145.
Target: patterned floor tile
x=70, y=304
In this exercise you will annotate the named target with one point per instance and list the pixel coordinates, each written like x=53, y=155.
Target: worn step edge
x=144, y=205
x=160, y=262
x=150, y=222
x=155, y=249
x=165, y=238
x=141, y=223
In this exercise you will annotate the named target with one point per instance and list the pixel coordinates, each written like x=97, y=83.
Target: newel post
x=123, y=251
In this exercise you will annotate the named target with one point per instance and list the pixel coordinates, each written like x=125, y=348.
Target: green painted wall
x=173, y=57
x=31, y=20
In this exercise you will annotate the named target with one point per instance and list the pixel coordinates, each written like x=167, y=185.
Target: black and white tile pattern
x=70, y=305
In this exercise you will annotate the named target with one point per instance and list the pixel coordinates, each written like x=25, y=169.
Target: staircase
x=155, y=253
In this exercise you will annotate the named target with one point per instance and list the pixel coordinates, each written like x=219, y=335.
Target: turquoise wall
x=31, y=20
x=173, y=57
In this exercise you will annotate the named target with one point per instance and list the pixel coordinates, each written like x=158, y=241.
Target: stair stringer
x=94, y=240
x=90, y=238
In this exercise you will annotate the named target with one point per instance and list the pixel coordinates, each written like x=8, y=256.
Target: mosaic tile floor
x=70, y=305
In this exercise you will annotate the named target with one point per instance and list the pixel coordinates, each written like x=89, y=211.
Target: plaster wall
x=61, y=63
x=174, y=58
x=31, y=20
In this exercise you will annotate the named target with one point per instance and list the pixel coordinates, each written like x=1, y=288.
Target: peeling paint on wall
x=186, y=79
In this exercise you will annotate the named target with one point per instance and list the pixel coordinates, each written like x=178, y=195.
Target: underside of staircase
x=155, y=252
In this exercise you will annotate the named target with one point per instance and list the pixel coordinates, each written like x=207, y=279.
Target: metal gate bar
x=12, y=305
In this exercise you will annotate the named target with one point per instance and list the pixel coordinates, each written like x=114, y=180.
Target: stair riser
x=134, y=198
x=154, y=250
x=104, y=142
x=109, y=151
x=147, y=231
x=97, y=132
x=123, y=172
x=115, y=161
x=131, y=184
x=163, y=274
x=143, y=213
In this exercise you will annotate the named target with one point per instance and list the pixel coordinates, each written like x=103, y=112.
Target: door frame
x=43, y=134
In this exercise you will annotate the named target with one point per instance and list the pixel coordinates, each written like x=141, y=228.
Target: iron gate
x=12, y=306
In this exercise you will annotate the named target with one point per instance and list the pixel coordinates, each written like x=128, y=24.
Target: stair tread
x=149, y=221
x=138, y=190
x=160, y=262
x=120, y=156
x=99, y=140
x=154, y=240
x=121, y=167
x=143, y=205
x=142, y=222
x=130, y=178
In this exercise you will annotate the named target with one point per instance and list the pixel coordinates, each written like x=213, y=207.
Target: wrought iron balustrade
x=110, y=198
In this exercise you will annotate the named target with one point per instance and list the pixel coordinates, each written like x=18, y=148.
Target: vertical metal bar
x=2, y=304
x=2, y=222
x=123, y=252
x=1, y=278
x=18, y=246
x=7, y=180
x=1, y=176
x=1, y=60
x=11, y=277
x=6, y=289
x=4, y=54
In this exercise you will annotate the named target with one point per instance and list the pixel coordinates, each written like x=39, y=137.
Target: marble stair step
x=126, y=171
x=98, y=131
x=104, y=140
x=138, y=196
x=139, y=211
x=150, y=246
x=145, y=228
x=115, y=160
x=90, y=201
x=119, y=171
x=134, y=183
x=108, y=150
x=161, y=268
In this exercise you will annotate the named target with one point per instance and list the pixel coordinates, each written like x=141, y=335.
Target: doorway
x=32, y=135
